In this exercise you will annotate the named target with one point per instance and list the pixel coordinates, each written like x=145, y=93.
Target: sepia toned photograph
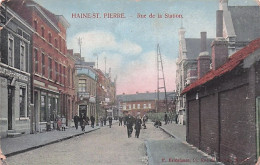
x=129, y=82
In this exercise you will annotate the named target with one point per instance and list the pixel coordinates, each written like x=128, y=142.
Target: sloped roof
x=246, y=22
x=193, y=47
x=144, y=96
x=232, y=62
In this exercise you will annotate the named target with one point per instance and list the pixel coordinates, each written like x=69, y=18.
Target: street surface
x=104, y=146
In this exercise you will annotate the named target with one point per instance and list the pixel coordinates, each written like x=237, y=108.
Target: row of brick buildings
x=40, y=78
x=218, y=86
x=142, y=103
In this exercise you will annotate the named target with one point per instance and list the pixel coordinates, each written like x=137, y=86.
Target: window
x=82, y=85
x=56, y=72
x=72, y=81
x=36, y=61
x=56, y=43
x=22, y=102
x=11, y=50
x=60, y=42
x=35, y=25
x=60, y=74
x=124, y=107
x=64, y=75
x=149, y=106
x=50, y=38
x=129, y=106
x=145, y=106
x=22, y=57
x=42, y=31
x=50, y=68
x=43, y=64
x=69, y=76
x=138, y=106
x=43, y=109
x=133, y=106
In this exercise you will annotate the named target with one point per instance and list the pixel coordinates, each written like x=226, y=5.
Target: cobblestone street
x=103, y=146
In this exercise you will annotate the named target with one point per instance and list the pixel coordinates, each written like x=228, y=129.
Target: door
x=258, y=125
x=10, y=108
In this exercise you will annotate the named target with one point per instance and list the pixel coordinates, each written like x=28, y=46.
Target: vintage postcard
x=129, y=82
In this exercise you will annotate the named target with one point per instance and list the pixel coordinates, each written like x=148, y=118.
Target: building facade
x=15, y=71
x=142, y=103
x=190, y=49
x=50, y=63
x=86, y=82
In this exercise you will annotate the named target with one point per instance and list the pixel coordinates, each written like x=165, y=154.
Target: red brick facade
x=52, y=94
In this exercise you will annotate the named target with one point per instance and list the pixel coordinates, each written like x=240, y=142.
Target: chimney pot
x=203, y=41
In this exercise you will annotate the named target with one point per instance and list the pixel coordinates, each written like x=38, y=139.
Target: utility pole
x=160, y=79
x=105, y=65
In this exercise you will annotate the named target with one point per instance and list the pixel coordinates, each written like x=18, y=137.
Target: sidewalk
x=176, y=150
x=13, y=146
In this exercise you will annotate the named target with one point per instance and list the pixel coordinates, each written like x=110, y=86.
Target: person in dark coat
x=129, y=124
x=87, y=120
x=92, y=119
x=82, y=123
x=105, y=120
x=76, y=120
x=165, y=118
x=110, y=121
x=138, y=123
x=120, y=121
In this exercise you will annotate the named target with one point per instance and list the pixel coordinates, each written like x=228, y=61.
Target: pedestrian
x=144, y=120
x=101, y=121
x=59, y=123
x=129, y=124
x=105, y=120
x=124, y=118
x=82, y=122
x=138, y=123
x=63, y=121
x=110, y=121
x=87, y=120
x=120, y=120
x=165, y=118
x=176, y=118
x=76, y=120
x=92, y=120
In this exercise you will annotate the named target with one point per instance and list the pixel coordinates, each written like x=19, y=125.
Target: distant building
x=141, y=103
x=86, y=83
x=15, y=73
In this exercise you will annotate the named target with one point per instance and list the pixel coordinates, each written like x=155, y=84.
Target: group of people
x=103, y=121
x=83, y=120
x=129, y=121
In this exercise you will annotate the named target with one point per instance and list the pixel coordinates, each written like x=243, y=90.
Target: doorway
x=10, y=107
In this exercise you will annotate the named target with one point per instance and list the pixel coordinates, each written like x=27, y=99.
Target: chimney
x=204, y=58
x=219, y=23
x=219, y=45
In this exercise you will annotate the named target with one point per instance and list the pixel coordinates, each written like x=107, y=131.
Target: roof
x=232, y=62
x=144, y=96
x=193, y=47
x=246, y=22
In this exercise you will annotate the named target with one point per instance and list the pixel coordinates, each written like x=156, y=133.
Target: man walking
x=110, y=121
x=120, y=121
x=76, y=121
x=129, y=125
x=92, y=119
x=138, y=124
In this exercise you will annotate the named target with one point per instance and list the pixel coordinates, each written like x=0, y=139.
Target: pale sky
x=129, y=44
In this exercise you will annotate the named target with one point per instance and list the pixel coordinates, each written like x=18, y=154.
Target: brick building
x=15, y=69
x=190, y=49
x=86, y=82
x=141, y=103
x=223, y=105
x=50, y=63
